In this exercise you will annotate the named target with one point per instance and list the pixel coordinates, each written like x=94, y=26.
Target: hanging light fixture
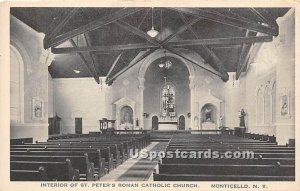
x=166, y=64
x=152, y=33
x=76, y=71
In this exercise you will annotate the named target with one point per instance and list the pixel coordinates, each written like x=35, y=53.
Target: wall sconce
x=189, y=115
x=146, y=115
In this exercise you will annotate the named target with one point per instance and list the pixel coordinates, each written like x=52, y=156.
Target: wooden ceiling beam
x=222, y=41
x=180, y=30
x=221, y=46
x=244, y=63
x=160, y=45
x=88, y=43
x=113, y=65
x=181, y=43
x=201, y=13
x=131, y=64
x=125, y=41
x=87, y=64
x=211, y=53
x=104, y=49
x=137, y=32
x=205, y=67
x=124, y=12
x=265, y=17
x=58, y=24
x=242, y=57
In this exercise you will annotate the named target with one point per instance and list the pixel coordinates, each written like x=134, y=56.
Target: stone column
x=141, y=116
x=192, y=89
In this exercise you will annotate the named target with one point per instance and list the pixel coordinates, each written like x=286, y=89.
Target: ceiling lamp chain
x=152, y=33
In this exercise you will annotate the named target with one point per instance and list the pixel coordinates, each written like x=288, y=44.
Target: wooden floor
x=138, y=169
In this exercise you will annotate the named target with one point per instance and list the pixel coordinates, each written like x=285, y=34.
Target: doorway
x=78, y=125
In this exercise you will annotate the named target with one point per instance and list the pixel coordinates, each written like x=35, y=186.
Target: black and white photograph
x=152, y=97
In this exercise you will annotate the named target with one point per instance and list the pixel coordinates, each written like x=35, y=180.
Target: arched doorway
x=154, y=122
x=181, y=123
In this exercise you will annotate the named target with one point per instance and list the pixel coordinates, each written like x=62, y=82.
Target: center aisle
x=137, y=169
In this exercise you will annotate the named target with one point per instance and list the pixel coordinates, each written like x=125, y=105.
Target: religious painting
x=126, y=115
x=284, y=106
x=37, y=108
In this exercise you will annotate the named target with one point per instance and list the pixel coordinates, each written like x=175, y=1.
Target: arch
x=159, y=54
x=23, y=52
x=121, y=103
x=259, y=106
x=273, y=102
x=19, y=94
x=267, y=105
x=209, y=113
x=154, y=122
x=181, y=122
x=209, y=99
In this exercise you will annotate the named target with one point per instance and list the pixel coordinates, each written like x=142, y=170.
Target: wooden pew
x=261, y=161
x=93, y=155
x=28, y=175
x=21, y=141
x=205, y=177
x=86, y=169
x=228, y=169
x=48, y=171
x=256, y=150
x=113, y=160
x=270, y=162
x=104, y=154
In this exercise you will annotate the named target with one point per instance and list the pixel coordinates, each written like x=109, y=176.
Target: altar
x=167, y=125
x=209, y=126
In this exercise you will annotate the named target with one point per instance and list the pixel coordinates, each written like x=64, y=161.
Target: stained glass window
x=168, y=100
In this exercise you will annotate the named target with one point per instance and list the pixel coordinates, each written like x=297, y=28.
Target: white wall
x=50, y=97
x=275, y=62
x=29, y=43
x=84, y=98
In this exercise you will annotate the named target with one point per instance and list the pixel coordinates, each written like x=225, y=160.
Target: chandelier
x=166, y=64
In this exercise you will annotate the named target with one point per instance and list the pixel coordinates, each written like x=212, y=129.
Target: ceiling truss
x=268, y=27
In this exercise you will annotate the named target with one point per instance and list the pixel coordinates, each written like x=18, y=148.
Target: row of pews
x=271, y=162
x=72, y=157
x=260, y=137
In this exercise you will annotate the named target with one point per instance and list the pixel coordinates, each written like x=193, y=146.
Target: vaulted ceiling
x=104, y=41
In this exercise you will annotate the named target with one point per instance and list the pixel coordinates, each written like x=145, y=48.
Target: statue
x=220, y=122
x=242, y=115
x=207, y=114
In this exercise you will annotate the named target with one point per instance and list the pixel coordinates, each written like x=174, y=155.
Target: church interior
x=88, y=85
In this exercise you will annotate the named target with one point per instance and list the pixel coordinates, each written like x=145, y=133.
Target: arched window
x=267, y=106
x=259, y=107
x=273, y=94
x=16, y=86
